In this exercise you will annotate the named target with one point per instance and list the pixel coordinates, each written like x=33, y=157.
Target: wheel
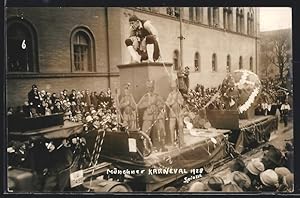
x=208, y=167
x=147, y=144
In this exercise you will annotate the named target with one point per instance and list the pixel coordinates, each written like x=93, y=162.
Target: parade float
x=103, y=155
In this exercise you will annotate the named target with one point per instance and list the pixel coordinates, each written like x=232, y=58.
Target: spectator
x=253, y=169
x=231, y=187
x=285, y=108
x=72, y=96
x=215, y=183
x=26, y=109
x=269, y=180
x=197, y=187
x=10, y=111
x=242, y=180
x=34, y=97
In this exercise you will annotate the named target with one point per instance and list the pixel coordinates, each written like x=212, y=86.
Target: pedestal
x=138, y=73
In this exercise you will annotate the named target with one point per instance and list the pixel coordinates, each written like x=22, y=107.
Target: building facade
x=65, y=47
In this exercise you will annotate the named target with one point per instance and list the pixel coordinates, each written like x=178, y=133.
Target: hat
x=231, y=188
x=269, y=178
x=215, y=183
x=289, y=180
x=237, y=165
x=134, y=18
x=197, y=187
x=149, y=83
x=186, y=67
x=34, y=86
x=282, y=171
x=255, y=167
x=241, y=179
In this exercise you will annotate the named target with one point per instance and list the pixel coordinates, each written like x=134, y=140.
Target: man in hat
x=142, y=43
x=182, y=82
x=128, y=108
x=269, y=180
x=215, y=183
x=175, y=103
x=253, y=170
x=34, y=97
x=153, y=116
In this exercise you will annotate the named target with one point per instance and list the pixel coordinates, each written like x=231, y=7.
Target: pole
x=181, y=38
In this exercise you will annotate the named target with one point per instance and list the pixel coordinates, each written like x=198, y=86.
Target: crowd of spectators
x=75, y=105
x=274, y=172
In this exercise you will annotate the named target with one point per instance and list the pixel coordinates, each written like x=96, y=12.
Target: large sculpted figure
x=153, y=116
x=128, y=108
x=142, y=43
x=175, y=103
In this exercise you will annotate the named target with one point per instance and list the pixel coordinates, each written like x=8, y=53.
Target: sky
x=273, y=18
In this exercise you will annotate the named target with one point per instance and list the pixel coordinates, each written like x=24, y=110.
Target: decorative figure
x=175, y=103
x=142, y=43
x=153, y=116
x=128, y=108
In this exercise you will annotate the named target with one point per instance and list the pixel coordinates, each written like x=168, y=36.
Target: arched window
x=242, y=24
x=216, y=17
x=241, y=62
x=251, y=24
x=228, y=64
x=248, y=24
x=229, y=18
x=199, y=14
x=209, y=16
x=251, y=63
x=214, y=62
x=83, y=50
x=237, y=22
x=191, y=13
x=176, y=59
x=225, y=18
x=197, y=61
x=22, y=50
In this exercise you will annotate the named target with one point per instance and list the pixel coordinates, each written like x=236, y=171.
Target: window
x=197, y=62
x=216, y=17
x=82, y=51
x=225, y=22
x=21, y=46
x=251, y=64
x=199, y=14
x=248, y=23
x=191, y=13
x=176, y=60
x=229, y=18
x=242, y=24
x=241, y=62
x=251, y=21
x=237, y=23
x=214, y=62
x=209, y=16
x=228, y=64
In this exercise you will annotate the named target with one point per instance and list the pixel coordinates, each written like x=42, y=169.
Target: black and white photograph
x=149, y=99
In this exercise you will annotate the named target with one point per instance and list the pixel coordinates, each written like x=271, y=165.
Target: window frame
x=91, y=49
x=197, y=60
x=34, y=43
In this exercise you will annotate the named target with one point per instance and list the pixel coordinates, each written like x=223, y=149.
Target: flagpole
x=181, y=38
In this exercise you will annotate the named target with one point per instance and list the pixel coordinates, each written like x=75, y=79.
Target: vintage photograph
x=149, y=99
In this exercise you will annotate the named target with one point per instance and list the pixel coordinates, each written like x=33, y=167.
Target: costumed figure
x=153, y=116
x=128, y=108
x=175, y=103
x=142, y=43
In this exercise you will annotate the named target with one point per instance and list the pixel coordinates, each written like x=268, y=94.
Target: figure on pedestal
x=128, y=108
x=175, y=103
x=143, y=43
x=153, y=116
